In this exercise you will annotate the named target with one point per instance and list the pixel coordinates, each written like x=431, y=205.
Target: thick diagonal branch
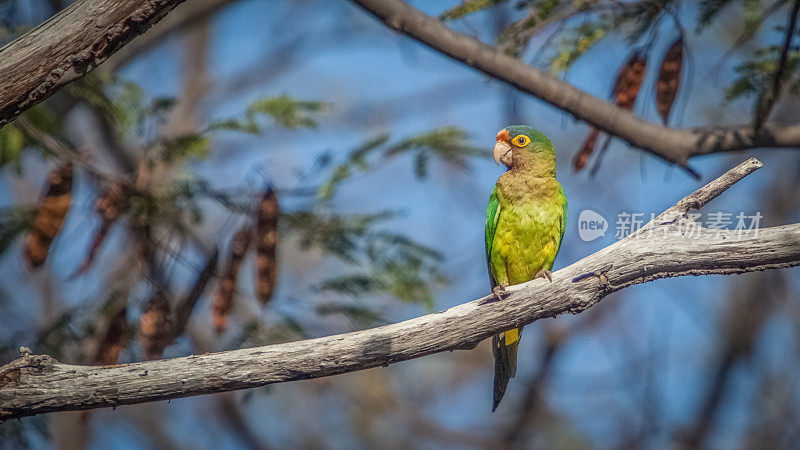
x=673, y=145
x=69, y=44
x=35, y=384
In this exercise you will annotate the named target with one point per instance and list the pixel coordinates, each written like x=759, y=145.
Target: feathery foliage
x=15, y=139
x=388, y=262
x=754, y=75
x=575, y=42
x=288, y=112
x=468, y=7
x=448, y=144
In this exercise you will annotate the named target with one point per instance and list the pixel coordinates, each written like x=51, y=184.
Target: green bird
x=525, y=224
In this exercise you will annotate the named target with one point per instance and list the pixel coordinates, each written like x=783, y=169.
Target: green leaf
x=128, y=105
x=756, y=74
x=162, y=105
x=243, y=126
x=449, y=144
x=12, y=141
x=186, y=146
x=575, y=43
x=43, y=118
x=121, y=102
x=257, y=333
x=515, y=37
x=341, y=236
x=287, y=112
x=390, y=263
x=468, y=7
x=357, y=158
x=353, y=285
x=753, y=16
x=709, y=9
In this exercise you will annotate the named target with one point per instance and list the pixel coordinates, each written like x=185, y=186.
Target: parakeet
x=525, y=224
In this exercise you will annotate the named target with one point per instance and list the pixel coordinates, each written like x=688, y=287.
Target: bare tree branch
x=673, y=145
x=35, y=384
x=69, y=44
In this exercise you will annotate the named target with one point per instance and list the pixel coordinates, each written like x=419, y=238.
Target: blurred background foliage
x=249, y=173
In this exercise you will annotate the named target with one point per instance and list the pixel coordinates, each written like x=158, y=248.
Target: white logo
x=591, y=225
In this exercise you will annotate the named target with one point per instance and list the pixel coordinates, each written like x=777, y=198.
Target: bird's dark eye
x=521, y=140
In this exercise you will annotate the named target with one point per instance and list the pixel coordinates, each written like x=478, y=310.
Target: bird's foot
x=498, y=293
x=544, y=273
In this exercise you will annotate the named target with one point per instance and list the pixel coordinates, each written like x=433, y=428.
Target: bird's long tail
x=504, y=347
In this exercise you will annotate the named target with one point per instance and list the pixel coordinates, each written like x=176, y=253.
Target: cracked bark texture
x=35, y=384
x=69, y=44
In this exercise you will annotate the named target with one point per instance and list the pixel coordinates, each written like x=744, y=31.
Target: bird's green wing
x=563, y=215
x=505, y=353
x=492, y=216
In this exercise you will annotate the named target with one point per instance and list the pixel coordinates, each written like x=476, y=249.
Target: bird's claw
x=544, y=273
x=498, y=293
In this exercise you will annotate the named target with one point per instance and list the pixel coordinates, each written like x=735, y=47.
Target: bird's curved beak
x=502, y=149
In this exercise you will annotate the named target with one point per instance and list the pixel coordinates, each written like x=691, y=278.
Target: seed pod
x=155, y=326
x=629, y=81
x=669, y=79
x=626, y=90
x=113, y=340
x=223, y=301
x=266, y=246
x=50, y=215
x=579, y=161
x=109, y=207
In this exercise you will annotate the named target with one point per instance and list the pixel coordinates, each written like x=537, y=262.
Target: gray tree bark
x=69, y=44
x=671, y=245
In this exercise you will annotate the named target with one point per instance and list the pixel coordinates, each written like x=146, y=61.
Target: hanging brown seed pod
x=669, y=79
x=113, y=340
x=223, y=301
x=266, y=246
x=50, y=215
x=626, y=90
x=629, y=81
x=109, y=207
x=155, y=326
x=580, y=159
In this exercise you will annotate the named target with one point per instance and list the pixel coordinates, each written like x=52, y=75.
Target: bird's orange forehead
x=503, y=135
